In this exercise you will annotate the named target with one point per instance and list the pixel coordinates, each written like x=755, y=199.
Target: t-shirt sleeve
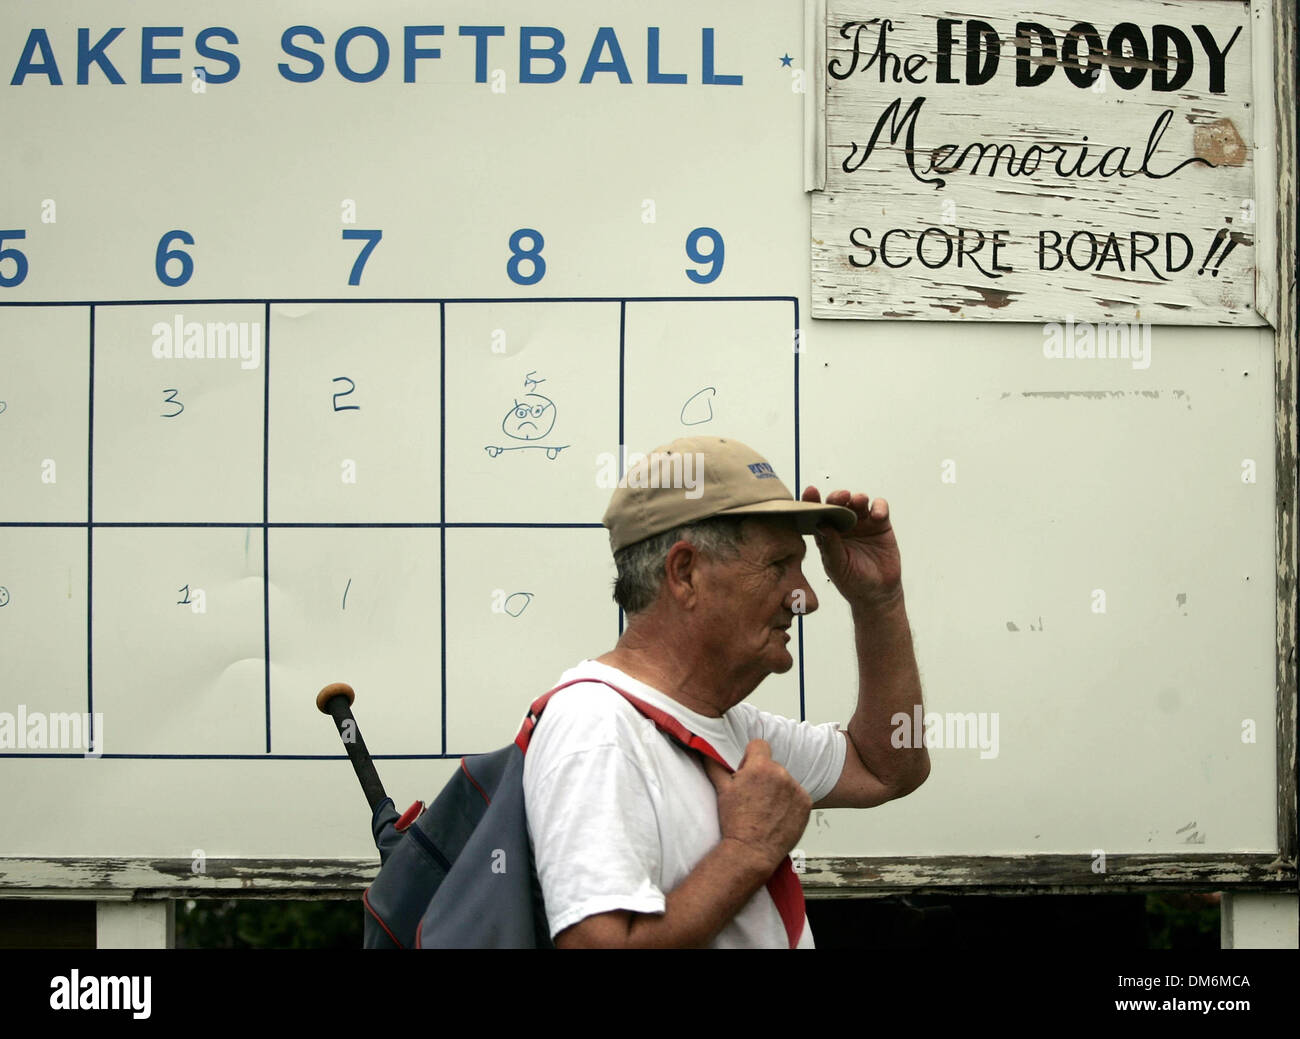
x=591, y=818
x=812, y=754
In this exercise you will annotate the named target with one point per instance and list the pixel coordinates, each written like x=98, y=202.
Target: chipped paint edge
x=814, y=102
x=1286, y=26
x=1266, y=45
x=118, y=879
x=852, y=877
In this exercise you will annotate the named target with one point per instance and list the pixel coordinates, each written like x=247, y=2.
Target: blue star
x=785, y=61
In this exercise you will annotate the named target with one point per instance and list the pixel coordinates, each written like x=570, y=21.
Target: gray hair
x=641, y=565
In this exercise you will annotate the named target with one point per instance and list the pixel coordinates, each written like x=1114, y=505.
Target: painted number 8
x=533, y=254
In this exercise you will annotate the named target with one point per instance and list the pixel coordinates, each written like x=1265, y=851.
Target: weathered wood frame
x=114, y=879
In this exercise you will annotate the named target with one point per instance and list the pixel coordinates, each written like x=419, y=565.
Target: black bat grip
x=336, y=701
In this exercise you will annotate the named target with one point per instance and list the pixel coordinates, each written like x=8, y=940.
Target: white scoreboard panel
x=325, y=330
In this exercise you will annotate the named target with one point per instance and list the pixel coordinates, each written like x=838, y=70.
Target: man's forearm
x=889, y=683
x=694, y=911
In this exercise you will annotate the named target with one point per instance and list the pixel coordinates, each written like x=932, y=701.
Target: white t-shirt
x=619, y=813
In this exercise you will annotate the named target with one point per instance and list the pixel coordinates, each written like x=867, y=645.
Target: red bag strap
x=664, y=721
x=535, y=712
x=783, y=885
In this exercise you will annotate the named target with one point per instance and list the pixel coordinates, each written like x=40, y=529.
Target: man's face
x=749, y=603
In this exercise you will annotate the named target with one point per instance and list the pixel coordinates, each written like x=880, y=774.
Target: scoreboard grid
x=266, y=524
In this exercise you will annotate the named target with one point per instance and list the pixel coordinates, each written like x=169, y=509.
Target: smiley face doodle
x=530, y=419
x=4, y=595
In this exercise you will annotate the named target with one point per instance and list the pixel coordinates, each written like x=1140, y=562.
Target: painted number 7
x=371, y=238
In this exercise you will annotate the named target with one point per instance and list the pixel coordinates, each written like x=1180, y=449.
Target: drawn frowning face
x=531, y=418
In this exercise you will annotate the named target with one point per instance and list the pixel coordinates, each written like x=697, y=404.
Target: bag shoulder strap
x=664, y=721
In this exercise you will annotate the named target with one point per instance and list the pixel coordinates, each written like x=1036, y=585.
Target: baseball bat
x=336, y=701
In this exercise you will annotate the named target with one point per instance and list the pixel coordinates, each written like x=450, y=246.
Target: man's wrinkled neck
x=678, y=669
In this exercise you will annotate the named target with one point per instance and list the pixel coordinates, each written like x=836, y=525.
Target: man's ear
x=682, y=574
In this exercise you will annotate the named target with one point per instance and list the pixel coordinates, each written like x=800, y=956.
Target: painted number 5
x=20, y=261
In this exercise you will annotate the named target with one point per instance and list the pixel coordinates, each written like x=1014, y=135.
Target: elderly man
x=640, y=842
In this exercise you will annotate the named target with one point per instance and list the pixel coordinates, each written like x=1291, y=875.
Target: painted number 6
x=165, y=255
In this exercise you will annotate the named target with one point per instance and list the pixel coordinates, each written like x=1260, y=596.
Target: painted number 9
x=165, y=255
x=714, y=257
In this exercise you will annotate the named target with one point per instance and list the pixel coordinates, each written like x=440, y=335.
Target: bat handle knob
x=332, y=690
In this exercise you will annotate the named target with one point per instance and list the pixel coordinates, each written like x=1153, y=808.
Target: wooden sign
x=1022, y=165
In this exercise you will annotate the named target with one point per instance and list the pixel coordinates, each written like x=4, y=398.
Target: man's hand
x=760, y=805
x=762, y=811
x=863, y=564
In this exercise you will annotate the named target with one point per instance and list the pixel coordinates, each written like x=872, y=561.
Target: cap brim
x=807, y=515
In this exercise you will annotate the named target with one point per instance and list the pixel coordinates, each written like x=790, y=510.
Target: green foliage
x=1172, y=922
x=269, y=924
x=1183, y=921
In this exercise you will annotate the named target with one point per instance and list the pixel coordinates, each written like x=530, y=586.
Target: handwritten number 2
x=343, y=393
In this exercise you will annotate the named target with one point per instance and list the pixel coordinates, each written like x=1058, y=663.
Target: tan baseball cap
x=695, y=478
